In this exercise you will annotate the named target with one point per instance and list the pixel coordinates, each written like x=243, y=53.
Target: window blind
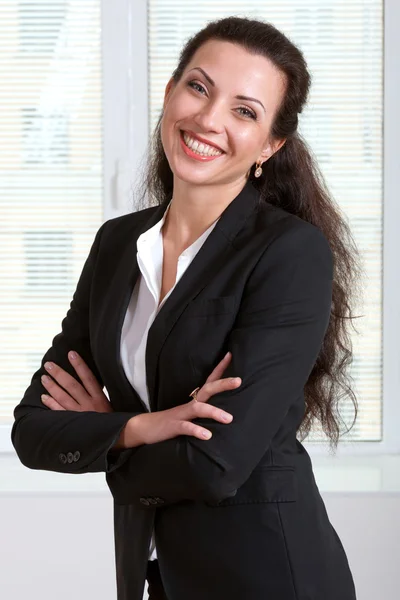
x=50, y=174
x=343, y=45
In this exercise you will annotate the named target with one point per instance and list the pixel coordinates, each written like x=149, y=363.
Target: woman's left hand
x=79, y=397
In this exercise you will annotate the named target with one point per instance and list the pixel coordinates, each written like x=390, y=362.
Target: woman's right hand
x=149, y=428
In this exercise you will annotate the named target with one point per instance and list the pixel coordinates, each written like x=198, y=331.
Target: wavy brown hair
x=291, y=180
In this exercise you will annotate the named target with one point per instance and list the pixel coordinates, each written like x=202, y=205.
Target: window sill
x=334, y=475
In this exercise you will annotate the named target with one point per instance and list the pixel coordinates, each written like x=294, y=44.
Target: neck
x=194, y=208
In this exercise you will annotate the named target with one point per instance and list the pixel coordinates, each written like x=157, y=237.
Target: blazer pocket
x=265, y=484
x=219, y=305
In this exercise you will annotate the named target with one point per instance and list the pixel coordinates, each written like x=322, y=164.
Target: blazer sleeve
x=275, y=341
x=68, y=441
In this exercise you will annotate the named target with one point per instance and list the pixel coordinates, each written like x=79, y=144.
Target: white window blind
x=343, y=45
x=50, y=174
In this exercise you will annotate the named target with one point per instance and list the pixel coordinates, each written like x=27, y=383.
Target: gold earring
x=258, y=171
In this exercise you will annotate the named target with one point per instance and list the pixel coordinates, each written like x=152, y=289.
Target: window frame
x=125, y=135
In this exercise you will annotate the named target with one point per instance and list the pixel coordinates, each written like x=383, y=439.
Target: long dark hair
x=291, y=180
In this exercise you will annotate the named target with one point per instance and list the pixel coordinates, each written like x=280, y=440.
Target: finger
x=51, y=403
x=211, y=388
x=208, y=411
x=188, y=428
x=220, y=368
x=60, y=395
x=74, y=389
x=85, y=374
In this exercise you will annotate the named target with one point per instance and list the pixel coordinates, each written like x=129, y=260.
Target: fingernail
x=235, y=379
x=227, y=417
x=48, y=366
x=226, y=355
x=45, y=378
x=72, y=355
x=206, y=434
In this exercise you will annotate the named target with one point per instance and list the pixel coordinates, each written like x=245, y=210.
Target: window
x=51, y=188
x=82, y=87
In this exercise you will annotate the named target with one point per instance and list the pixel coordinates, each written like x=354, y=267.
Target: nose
x=210, y=118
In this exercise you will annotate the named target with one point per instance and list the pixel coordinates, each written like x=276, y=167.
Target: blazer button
x=144, y=501
x=62, y=458
x=70, y=457
x=77, y=456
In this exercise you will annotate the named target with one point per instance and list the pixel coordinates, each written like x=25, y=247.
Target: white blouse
x=142, y=308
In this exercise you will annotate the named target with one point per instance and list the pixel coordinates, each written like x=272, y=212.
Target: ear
x=168, y=89
x=273, y=146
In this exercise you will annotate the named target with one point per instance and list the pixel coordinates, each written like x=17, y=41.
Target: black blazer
x=239, y=516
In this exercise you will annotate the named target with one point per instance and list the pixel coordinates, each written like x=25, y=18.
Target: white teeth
x=199, y=147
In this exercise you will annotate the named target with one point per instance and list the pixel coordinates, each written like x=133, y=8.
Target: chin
x=191, y=177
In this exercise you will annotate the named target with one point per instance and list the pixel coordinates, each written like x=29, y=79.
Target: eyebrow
x=239, y=97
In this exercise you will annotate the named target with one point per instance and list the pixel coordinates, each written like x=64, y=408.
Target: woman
x=244, y=252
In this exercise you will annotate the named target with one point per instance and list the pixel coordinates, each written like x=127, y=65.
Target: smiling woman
x=234, y=274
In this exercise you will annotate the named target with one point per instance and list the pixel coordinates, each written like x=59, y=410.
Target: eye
x=192, y=84
x=250, y=113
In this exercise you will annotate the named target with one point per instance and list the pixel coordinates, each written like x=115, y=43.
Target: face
x=217, y=118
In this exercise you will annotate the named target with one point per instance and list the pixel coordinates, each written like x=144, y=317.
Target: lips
x=195, y=136
x=202, y=158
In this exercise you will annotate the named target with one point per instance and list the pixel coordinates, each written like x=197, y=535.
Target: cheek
x=247, y=143
x=170, y=126
x=179, y=109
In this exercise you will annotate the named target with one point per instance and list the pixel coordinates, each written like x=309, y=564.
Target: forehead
x=231, y=64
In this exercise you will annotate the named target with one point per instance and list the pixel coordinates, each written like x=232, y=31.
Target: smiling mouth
x=200, y=148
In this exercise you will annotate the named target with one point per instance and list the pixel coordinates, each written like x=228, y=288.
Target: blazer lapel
x=209, y=260
x=125, y=279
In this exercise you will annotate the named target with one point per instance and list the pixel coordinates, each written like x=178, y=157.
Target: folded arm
x=67, y=441
x=275, y=341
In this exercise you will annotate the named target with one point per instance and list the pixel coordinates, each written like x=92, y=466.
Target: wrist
x=129, y=436
x=134, y=432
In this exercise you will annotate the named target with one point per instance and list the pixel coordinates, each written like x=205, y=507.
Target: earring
x=258, y=171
